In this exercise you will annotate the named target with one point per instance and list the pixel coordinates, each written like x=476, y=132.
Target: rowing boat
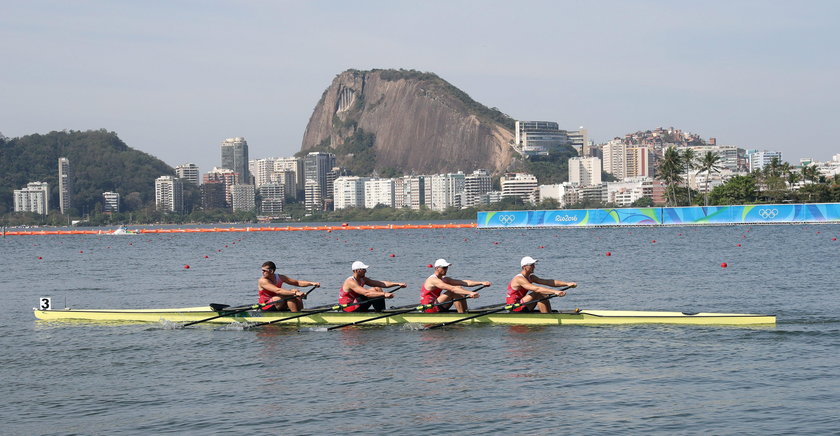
x=575, y=317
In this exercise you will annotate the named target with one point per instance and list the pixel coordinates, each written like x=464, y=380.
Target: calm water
x=147, y=379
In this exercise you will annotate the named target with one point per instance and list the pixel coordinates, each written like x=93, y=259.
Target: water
x=61, y=378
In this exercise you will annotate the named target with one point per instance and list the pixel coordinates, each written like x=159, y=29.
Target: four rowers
x=438, y=289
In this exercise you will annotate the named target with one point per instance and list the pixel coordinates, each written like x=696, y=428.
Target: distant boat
x=122, y=230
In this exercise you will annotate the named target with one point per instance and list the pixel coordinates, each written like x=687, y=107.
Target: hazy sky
x=175, y=78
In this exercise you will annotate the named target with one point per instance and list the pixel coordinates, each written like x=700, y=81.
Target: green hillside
x=100, y=162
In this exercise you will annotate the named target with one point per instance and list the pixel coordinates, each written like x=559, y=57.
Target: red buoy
x=39, y=257
x=186, y=267
x=206, y=256
x=723, y=265
x=609, y=253
x=653, y=242
x=738, y=245
x=833, y=239
x=429, y=266
x=393, y=255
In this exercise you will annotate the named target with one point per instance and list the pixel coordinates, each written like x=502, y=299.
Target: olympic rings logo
x=506, y=219
x=768, y=213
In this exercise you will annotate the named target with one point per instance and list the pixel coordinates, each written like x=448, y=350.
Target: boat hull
x=582, y=317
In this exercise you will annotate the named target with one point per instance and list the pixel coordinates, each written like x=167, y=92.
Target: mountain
x=100, y=162
x=397, y=121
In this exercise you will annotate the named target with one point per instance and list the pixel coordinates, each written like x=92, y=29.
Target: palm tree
x=810, y=173
x=689, y=158
x=709, y=163
x=670, y=170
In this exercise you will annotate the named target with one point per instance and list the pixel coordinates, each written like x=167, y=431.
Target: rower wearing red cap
x=525, y=281
x=438, y=288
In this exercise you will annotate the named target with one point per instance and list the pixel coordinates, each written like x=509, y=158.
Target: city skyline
x=752, y=74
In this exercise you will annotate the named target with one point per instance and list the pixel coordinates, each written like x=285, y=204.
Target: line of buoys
x=343, y=226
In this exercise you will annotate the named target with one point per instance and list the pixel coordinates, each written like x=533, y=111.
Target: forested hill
x=100, y=162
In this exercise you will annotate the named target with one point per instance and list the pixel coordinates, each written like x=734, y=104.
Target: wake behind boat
x=122, y=230
x=576, y=317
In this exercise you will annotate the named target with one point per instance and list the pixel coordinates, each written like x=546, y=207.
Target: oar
x=400, y=312
x=315, y=312
x=251, y=307
x=487, y=312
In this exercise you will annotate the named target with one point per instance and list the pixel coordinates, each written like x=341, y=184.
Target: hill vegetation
x=100, y=162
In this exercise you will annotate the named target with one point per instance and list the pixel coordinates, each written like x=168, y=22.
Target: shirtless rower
x=353, y=290
x=526, y=281
x=438, y=288
x=270, y=288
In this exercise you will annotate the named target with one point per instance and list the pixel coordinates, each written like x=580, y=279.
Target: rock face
x=421, y=123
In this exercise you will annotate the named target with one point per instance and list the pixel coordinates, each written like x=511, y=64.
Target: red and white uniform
x=513, y=296
x=429, y=297
x=266, y=295
x=350, y=296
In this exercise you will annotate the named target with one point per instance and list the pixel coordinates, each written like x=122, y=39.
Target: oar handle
x=251, y=307
x=488, y=312
x=335, y=307
x=399, y=312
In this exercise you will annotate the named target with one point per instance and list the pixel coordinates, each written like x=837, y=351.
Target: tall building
x=585, y=171
x=316, y=165
x=760, y=159
x=312, y=197
x=614, y=158
x=169, y=194
x=579, y=139
x=447, y=190
x=288, y=180
x=213, y=195
x=521, y=185
x=243, y=198
x=539, y=138
x=475, y=185
x=273, y=199
x=65, y=185
x=188, y=172
x=112, y=202
x=414, y=189
x=235, y=157
x=224, y=176
x=639, y=162
x=379, y=191
x=349, y=191
x=294, y=165
x=35, y=197
x=262, y=170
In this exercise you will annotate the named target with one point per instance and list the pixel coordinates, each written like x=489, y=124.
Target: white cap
x=359, y=265
x=441, y=263
x=527, y=260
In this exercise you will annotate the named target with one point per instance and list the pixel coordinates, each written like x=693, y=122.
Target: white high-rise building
x=312, y=196
x=262, y=170
x=379, y=191
x=520, y=185
x=65, y=185
x=35, y=197
x=111, y=201
x=475, y=185
x=189, y=173
x=273, y=199
x=585, y=171
x=243, y=198
x=414, y=192
x=294, y=165
x=447, y=190
x=760, y=159
x=615, y=157
x=169, y=194
x=349, y=191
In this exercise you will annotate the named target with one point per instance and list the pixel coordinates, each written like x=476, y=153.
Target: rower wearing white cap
x=353, y=290
x=438, y=288
x=525, y=281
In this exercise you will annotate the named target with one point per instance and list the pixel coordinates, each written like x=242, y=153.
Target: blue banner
x=741, y=214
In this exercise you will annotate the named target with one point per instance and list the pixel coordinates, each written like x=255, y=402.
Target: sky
x=175, y=78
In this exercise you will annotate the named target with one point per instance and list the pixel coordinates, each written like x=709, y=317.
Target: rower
x=438, y=288
x=353, y=290
x=525, y=281
x=270, y=288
